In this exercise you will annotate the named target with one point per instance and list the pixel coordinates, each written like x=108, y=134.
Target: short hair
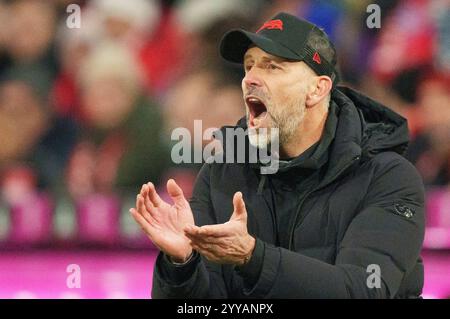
x=319, y=41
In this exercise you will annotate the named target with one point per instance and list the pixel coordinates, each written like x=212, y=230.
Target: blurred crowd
x=89, y=111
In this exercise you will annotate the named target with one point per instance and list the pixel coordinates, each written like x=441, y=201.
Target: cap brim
x=235, y=43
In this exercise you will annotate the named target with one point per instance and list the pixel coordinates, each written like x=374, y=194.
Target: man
x=343, y=217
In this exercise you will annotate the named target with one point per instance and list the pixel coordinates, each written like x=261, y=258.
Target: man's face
x=274, y=92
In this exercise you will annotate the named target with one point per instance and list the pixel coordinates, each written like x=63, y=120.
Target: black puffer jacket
x=367, y=209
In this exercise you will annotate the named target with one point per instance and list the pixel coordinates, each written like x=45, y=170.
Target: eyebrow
x=267, y=58
x=247, y=56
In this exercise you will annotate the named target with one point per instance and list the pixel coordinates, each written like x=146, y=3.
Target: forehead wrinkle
x=267, y=57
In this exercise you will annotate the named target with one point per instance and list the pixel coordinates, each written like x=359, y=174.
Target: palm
x=168, y=228
x=164, y=223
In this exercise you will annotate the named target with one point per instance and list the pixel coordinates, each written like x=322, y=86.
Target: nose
x=251, y=78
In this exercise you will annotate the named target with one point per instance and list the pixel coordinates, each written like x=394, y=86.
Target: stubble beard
x=285, y=124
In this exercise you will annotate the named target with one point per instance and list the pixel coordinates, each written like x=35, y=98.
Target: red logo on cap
x=271, y=25
x=316, y=58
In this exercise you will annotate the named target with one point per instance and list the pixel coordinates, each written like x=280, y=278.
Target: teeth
x=254, y=100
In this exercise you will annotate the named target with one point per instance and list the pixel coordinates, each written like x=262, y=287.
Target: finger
x=147, y=203
x=201, y=236
x=191, y=229
x=144, y=190
x=145, y=225
x=207, y=242
x=176, y=193
x=140, y=193
x=143, y=205
x=140, y=204
x=219, y=230
x=142, y=210
x=239, y=206
x=204, y=239
x=145, y=194
x=153, y=195
x=149, y=206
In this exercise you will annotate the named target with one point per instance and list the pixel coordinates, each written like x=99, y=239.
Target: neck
x=308, y=133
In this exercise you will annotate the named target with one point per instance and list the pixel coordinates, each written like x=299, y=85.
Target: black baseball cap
x=284, y=36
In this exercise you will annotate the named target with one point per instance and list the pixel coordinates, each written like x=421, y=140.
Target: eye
x=272, y=66
x=247, y=67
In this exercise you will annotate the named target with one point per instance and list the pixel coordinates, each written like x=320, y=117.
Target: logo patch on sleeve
x=404, y=211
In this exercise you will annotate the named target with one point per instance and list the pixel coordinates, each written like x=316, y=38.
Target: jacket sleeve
x=387, y=232
x=199, y=278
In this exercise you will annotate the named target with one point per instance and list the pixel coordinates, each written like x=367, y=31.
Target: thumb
x=239, y=206
x=175, y=192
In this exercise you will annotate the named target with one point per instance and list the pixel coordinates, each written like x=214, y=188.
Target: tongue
x=258, y=120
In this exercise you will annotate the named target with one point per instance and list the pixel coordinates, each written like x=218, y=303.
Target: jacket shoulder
x=392, y=162
x=393, y=173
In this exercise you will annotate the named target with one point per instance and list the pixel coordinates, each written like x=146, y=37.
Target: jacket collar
x=364, y=128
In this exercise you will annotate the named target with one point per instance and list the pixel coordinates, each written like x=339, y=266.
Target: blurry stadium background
x=86, y=116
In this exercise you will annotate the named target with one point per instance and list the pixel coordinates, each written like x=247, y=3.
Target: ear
x=319, y=90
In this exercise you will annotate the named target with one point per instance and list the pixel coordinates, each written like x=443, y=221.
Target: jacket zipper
x=294, y=226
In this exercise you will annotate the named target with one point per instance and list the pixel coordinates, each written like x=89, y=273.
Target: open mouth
x=257, y=111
